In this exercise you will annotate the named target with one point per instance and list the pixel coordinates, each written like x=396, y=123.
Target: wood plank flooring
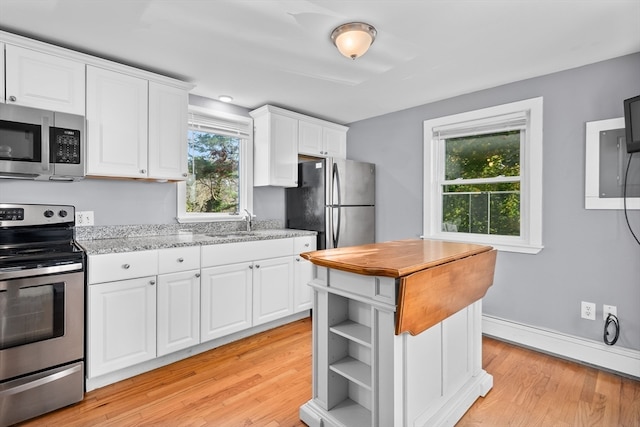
x=263, y=380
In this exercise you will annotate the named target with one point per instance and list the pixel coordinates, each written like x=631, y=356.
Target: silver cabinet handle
x=298, y=259
x=180, y=259
x=257, y=265
x=185, y=175
x=251, y=267
x=143, y=171
x=306, y=245
x=13, y=98
x=126, y=266
x=197, y=274
x=152, y=282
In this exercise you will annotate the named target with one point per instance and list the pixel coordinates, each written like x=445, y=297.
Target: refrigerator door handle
x=336, y=224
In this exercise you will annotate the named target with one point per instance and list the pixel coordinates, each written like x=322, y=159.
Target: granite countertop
x=395, y=258
x=181, y=239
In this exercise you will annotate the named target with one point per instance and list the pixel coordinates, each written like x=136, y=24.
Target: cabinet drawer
x=120, y=266
x=231, y=253
x=304, y=244
x=178, y=259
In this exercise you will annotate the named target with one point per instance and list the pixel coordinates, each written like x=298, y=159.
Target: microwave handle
x=45, y=143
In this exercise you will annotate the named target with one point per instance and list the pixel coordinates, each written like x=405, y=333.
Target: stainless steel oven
x=40, y=144
x=42, y=282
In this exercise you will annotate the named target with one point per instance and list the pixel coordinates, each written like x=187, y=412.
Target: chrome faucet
x=249, y=219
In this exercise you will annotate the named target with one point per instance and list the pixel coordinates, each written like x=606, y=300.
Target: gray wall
x=120, y=202
x=589, y=255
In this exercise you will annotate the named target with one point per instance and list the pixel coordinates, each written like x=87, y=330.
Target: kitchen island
x=397, y=333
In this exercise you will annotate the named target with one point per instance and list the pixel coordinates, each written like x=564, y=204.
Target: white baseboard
x=616, y=359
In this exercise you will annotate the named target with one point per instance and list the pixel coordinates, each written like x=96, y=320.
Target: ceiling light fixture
x=353, y=39
x=225, y=98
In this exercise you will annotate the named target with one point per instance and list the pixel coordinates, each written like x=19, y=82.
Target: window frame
x=245, y=173
x=530, y=239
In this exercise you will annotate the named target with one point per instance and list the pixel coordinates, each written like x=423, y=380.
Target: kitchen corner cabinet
x=41, y=80
x=281, y=135
x=275, y=145
x=135, y=128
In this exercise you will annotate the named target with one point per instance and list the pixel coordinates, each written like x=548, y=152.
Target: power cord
x=624, y=198
x=611, y=320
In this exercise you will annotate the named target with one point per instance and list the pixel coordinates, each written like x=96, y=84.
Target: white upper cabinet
x=40, y=80
x=168, y=108
x=116, y=124
x=322, y=140
x=275, y=149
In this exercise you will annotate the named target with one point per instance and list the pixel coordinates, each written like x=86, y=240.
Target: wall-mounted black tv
x=632, y=123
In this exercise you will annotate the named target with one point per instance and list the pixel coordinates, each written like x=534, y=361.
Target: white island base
x=366, y=375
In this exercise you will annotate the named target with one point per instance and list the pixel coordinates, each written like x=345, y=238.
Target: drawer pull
x=152, y=282
x=197, y=274
x=251, y=267
x=126, y=266
x=257, y=265
x=298, y=259
x=306, y=245
x=180, y=259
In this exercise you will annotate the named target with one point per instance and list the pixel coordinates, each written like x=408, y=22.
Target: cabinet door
x=116, y=124
x=40, y=80
x=122, y=325
x=303, y=274
x=167, y=132
x=225, y=300
x=310, y=139
x=178, y=311
x=276, y=151
x=335, y=143
x=272, y=289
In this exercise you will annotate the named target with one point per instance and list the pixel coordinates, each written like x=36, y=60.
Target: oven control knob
x=48, y=213
x=62, y=213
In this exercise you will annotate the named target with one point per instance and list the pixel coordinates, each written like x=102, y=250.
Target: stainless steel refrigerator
x=336, y=198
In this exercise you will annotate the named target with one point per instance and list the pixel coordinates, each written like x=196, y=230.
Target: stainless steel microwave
x=42, y=145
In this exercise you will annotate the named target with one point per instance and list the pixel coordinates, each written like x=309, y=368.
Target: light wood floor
x=263, y=380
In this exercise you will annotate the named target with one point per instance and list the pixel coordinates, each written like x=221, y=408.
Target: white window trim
x=530, y=240
x=246, y=176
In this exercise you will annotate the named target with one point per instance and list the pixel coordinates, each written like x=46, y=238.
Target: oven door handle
x=43, y=271
x=29, y=383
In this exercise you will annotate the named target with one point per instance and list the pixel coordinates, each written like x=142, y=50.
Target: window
x=483, y=177
x=220, y=156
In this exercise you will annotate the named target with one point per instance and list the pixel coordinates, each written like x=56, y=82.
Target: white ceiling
x=279, y=52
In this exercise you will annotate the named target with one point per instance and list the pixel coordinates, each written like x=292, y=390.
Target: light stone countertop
x=182, y=239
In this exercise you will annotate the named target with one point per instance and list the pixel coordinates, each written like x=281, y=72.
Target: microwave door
x=24, y=142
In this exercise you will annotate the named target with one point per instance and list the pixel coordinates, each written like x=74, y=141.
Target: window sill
x=209, y=218
x=516, y=247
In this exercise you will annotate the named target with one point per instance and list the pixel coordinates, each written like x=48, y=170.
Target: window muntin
x=221, y=155
x=490, y=194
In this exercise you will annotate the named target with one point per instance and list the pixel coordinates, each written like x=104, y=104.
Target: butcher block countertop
x=395, y=258
x=436, y=279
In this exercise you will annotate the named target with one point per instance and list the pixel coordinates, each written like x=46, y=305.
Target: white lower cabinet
x=147, y=304
x=178, y=311
x=226, y=297
x=122, y=324
x=272, y=289
x=302, y=273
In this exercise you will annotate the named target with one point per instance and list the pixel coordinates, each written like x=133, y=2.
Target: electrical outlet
x=609, y=309
x=84, y=218
x=588, y=310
